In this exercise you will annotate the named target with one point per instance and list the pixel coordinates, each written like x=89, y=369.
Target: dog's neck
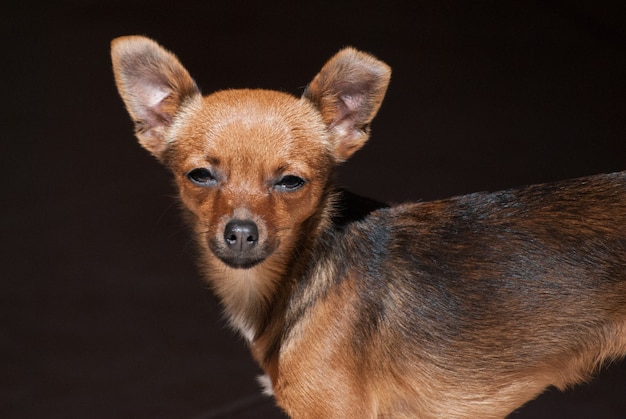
x=254, y=297
x=246, y=295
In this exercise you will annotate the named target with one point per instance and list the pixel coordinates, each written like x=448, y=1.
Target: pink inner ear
x=348, y=105
x=154, y=95
x=150, y=106
x=149, y=98
x=352, y=101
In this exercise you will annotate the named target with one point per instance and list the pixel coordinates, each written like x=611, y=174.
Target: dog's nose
x=241, y=235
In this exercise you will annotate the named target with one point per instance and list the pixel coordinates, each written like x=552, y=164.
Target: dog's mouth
x=240, y=262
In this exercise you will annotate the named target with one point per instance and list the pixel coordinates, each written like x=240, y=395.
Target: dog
x=466, y=307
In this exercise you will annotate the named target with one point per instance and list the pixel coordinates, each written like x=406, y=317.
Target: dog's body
x=463, y=308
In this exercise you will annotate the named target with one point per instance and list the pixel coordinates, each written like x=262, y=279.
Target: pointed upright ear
x=348, y=92
x=153, y=85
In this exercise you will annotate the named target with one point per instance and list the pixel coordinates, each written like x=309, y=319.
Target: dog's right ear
x=153, y=85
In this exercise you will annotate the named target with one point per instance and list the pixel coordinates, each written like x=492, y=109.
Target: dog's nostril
x=241, y=235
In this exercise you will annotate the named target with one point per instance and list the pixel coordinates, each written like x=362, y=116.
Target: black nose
x=241, y=235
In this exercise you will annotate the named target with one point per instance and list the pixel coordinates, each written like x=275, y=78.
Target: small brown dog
x=461, y=308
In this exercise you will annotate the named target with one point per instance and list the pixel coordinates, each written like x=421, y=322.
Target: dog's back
x=468, y=306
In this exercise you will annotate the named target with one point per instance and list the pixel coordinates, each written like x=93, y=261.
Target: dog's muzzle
x=241, y=247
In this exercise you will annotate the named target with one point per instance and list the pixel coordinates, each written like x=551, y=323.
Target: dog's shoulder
x=350, y=207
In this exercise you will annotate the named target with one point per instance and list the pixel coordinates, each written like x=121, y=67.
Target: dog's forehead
x=255, y=121
x=261, y=110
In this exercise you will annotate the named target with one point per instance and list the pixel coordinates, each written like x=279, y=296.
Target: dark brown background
x=102, y=313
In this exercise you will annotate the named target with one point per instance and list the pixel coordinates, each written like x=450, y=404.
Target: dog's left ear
x=348, y=92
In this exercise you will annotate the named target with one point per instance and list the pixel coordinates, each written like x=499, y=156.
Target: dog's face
x=252, y=166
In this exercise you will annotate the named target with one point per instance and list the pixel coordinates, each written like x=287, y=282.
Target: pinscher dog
x=460, y=308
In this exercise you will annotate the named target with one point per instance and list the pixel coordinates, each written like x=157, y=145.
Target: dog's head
x=252, y=166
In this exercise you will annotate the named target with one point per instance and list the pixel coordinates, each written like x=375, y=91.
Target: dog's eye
x=289, y=183
x=202, y=177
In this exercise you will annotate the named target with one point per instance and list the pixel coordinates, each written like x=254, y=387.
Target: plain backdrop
x=102, y=311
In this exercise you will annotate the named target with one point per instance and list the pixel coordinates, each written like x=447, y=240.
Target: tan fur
x=461, y=308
